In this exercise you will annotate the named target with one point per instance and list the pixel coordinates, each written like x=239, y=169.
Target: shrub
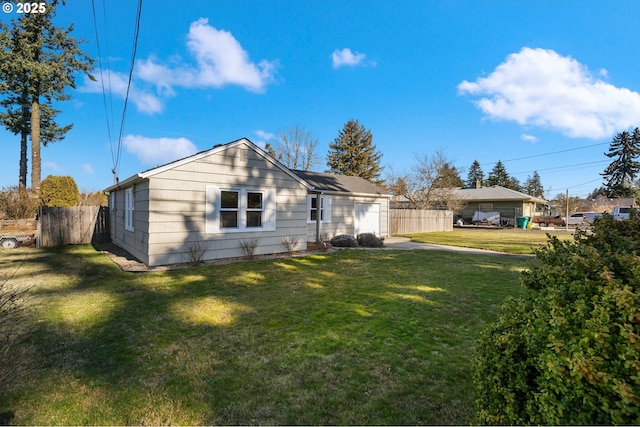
x=569, y=352
x=59, y=191
x=369, y=240
x=249, y=247
x=290, y=243
x=344, y=241
x=195, y=251
x=18, y=203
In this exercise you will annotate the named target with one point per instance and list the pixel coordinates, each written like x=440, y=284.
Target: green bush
x=59, y=191
x=18, y=203
x=369, y=240
x=569, y=352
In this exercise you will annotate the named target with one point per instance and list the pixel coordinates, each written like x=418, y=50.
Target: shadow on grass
x=353, y=337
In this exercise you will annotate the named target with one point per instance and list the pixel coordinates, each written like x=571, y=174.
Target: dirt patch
x=128, y=262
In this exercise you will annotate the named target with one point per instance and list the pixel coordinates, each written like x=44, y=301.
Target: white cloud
x=542, y=88
x=157, y=151
x=265, y=135
x=220, y=59
x=88, y=169
x=528, y=138
x=116, y=84
x=51, y=165
x=345, y=57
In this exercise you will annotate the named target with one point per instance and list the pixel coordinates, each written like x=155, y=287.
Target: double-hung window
x=240, y=209
x=128, y=209
x=312, y=208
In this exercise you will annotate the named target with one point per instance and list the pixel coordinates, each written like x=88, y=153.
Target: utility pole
x=566, y=200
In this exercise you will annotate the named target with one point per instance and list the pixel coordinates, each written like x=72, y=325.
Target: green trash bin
x=522, y=221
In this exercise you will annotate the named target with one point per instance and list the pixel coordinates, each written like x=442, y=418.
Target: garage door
x=367, y=218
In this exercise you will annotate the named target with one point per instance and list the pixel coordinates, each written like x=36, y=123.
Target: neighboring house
x=509, y=203
x=217, y=198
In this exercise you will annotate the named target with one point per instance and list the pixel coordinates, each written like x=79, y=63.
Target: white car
x=577, y=218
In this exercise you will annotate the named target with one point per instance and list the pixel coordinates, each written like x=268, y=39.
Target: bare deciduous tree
x=430, y=184
x=296, y=149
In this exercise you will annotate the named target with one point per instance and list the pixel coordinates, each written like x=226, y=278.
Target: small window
x=254, y=209
x=129, y=203
x=312, y=208
x=229, y=209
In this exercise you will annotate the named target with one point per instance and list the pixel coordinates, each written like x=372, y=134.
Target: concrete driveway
x=406, y=243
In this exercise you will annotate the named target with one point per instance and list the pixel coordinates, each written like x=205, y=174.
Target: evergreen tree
x=59, y=191
x=353, y=153
x=38, y=62
x=499, y=176
x=533, y=185
x=620, y=174
x=448, y=177
x=475, y=175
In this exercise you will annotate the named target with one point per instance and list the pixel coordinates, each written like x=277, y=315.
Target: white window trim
x=129, y=209
x=214, y=206
x=325, y=203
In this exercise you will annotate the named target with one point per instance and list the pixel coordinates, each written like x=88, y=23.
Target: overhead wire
x=126, y=99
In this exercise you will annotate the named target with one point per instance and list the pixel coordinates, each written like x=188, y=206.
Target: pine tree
x=498, y=175
x=353, y=153
x=533, y=185
x=38, y=62
x=620, y=174
x=475, y=175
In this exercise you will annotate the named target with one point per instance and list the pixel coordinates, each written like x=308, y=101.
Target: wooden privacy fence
x=72, y=225
x=405, y=221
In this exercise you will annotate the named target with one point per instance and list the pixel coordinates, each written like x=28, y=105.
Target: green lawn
x=346, y=337
x=515, y=241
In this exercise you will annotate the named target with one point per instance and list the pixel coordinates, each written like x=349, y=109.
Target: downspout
x=318, y=214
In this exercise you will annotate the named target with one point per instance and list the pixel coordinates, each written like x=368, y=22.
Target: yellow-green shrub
x=59, y=191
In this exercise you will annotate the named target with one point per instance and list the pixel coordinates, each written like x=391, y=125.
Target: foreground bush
x=569, y=353
x=369, y=240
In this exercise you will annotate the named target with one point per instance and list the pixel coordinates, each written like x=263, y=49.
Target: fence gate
x=72, y=225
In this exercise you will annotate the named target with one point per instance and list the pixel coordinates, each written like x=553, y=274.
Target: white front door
x=367, y=218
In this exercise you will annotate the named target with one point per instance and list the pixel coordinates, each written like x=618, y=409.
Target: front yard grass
x=346, y=337
x=514, y=241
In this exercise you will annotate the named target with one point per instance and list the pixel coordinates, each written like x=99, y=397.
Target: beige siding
x=178, y=205
x=135, y=242
x=343, y=216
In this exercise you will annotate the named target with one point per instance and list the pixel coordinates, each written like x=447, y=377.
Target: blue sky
x=540, y=85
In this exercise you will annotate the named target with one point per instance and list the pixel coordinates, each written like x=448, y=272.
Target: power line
x=549, y=154
x=126, y=98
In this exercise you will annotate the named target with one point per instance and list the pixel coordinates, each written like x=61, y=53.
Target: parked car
x=577, y=218
x=622, y=212
x=583, y=218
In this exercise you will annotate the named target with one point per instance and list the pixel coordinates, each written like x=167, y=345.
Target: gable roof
x=330, y=182
x=494, y=193
x=139, y=177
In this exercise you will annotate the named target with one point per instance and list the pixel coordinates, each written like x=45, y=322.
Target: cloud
x=220, y=60
x=116, y=84
x=88, y=169
x=157, y=151
x=528, y=138
x=542, y=88
x=345, y=57
x=51, y=165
